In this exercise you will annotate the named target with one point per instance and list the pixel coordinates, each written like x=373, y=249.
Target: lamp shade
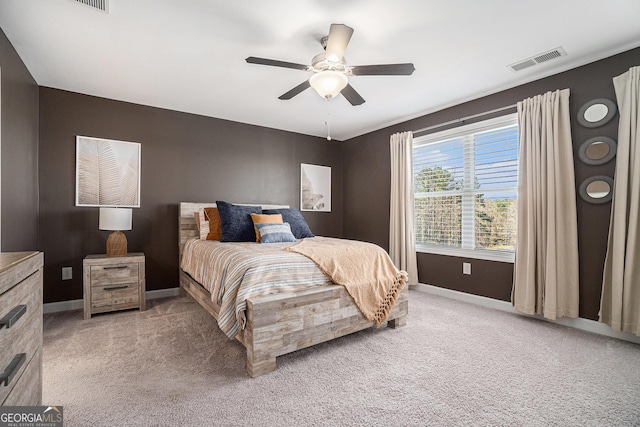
x=328, y=83
x=115, y=219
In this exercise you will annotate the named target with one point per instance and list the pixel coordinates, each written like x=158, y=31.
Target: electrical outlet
x=466, y=268
x=67, y=273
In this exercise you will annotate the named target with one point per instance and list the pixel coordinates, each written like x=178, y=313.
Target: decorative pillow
x=208, y=224
x=275, y=233
x=236, y=223
x=215, y=229
x=261, y=219
x=299, y=226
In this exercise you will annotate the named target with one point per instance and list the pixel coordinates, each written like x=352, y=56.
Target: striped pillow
x=275, y=233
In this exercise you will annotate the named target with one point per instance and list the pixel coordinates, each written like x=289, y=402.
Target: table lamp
x=116, y=219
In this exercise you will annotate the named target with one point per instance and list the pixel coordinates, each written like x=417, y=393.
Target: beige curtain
x=402, y=245
x=546, y=264
x=620, y=303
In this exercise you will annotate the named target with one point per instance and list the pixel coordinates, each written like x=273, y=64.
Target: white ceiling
x=189, y=55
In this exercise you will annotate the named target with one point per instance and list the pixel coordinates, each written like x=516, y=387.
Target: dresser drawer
x=115, y=297
x=114, y=274
x=25, y=334
x=17, y=266
x=27, y=390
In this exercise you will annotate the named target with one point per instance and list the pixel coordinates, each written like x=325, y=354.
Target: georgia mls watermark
x=31, y=416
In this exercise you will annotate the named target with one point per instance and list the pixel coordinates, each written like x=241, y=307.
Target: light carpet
x=454, y=364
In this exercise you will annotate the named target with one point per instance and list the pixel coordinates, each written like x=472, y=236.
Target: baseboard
x=580, y=323
x=78, y=304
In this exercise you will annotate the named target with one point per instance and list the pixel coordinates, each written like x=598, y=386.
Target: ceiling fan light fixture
x=330, y=71
x=328, y=83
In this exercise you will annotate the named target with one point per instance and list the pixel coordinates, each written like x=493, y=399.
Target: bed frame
x=281, y=323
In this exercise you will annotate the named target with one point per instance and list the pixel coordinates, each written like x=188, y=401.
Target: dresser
x=113, y=283
x=21, y=328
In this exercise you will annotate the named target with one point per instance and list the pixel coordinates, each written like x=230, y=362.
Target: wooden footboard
x=281, y=323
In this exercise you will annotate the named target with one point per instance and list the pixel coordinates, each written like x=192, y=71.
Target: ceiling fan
x=330, y=70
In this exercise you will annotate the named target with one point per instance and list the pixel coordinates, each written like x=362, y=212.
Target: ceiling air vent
x=102, y=5
x=538, y=59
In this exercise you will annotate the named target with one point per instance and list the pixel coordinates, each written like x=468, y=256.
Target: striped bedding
x=235, y=272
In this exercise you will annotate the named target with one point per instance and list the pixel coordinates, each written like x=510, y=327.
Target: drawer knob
x=117, y=267
x=12, y=369
x=13, y=316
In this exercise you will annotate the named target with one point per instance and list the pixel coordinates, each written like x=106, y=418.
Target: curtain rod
x=463, y=119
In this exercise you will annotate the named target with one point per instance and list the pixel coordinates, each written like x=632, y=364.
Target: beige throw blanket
x=364, y=269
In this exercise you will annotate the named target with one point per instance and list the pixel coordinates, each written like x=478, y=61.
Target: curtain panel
x=620, y=302
x=546, y=262
x=402, y=245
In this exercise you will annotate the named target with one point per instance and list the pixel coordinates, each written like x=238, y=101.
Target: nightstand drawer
x=114, y=274
x=115, y=297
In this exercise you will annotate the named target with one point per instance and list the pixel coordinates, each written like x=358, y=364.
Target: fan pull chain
x=328, y=124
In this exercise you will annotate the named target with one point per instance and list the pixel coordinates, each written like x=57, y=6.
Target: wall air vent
x=102, y=5
x=537, y=59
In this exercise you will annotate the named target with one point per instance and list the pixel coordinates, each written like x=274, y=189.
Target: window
x=465, y=188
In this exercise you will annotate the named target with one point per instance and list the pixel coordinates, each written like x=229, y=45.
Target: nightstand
x=113, y=283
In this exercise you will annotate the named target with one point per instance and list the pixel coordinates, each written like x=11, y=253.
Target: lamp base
x=117, y=244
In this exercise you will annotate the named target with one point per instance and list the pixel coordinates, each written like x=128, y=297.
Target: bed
x=284, y=322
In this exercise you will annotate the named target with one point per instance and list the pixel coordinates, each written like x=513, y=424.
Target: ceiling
x=190, y=55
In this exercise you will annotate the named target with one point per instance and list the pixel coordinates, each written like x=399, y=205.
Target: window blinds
x=465, y=186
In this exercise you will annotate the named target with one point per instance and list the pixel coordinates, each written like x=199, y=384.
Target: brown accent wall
x=367, y=185
x=19, y=144
x=185, y=157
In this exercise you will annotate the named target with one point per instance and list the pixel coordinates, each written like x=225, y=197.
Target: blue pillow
x=299, y=226
x=275, y=233
x=236, y=223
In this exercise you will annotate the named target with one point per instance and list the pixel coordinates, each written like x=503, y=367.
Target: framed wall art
x=107, y=172
x=315, y=188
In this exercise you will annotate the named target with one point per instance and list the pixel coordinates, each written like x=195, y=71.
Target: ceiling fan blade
x=352, y=96
x=339, y=36
x=296, y=90
x=274, y=63
x=383, y=70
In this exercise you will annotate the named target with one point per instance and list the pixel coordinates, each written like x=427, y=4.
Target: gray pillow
x=236, y=223
x=275, y=233
x=299, y=226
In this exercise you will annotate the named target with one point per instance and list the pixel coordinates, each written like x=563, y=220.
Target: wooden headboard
x=187, y=222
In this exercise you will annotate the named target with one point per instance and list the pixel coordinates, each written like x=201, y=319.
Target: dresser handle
x=13, y=316
x=12, y=369
x=113, y=288
x=117, y=267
